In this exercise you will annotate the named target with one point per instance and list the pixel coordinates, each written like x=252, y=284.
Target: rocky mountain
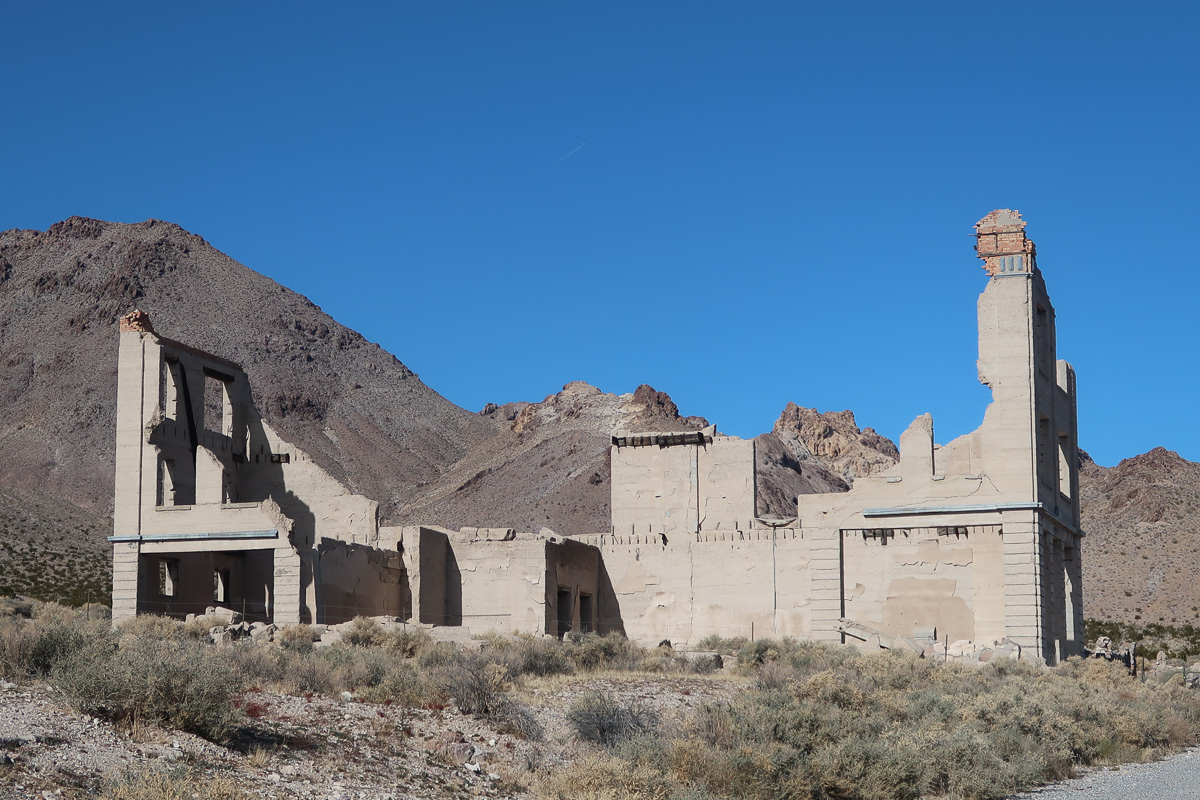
x=362, y=414
x=1141, y=550
x=547, y=464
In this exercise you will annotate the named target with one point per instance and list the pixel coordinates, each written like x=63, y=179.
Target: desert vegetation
x=1179, y=642
x=802, y=720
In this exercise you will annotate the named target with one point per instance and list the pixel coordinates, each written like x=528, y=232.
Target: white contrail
x=568, y=155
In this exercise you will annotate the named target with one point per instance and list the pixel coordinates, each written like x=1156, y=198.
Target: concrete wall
x=731, y=583
x=357, y=580
x=978, y=538
x=668, y=483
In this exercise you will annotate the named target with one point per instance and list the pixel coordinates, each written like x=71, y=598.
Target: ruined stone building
x=977, y=539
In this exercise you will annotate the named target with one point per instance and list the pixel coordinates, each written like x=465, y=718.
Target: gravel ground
x=1177, y=777
x=322, y=748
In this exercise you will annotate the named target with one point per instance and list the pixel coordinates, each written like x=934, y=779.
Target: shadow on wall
x=608, y=607
x=453, y=614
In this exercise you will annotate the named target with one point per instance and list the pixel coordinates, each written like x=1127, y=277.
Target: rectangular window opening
x=168, y=577
x=221, y=585
x=564, y=612
x=586, y=618
x=1064, y=467
x=169, y=392
x=218, y=408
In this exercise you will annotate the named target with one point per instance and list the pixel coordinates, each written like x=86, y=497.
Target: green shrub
x=599, y=718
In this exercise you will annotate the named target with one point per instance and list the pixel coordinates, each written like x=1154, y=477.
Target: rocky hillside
x=1142, y=548
x=547, y=464
x=362, y=414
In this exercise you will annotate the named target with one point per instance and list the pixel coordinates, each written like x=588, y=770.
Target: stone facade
x=975, y=542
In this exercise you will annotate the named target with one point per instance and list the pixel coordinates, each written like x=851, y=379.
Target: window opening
x=586, y=618
x=1064, y=467
x=564, y=612
x=168, y=577
x=218, y=408
x=221, y=585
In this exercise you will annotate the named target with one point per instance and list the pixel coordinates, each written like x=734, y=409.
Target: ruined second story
x=193, y=456
x=1025, y=451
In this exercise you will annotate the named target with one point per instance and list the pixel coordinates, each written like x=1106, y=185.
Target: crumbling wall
x=357, y=580
x=502, y=579
x=949, y=578
x=752, y=582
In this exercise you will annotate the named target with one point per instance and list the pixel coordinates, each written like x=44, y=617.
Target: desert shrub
x=17, y=639
x=363, y=632
x=404, y=685
x=437, y=655
x=259, y=666
x=297, y=638
x=307, y=674
x=590, y=651
x=477, y=685
x=527, y=655
x=599, y=718
x=152, y=784
x=173, y=682
x=354, y=667
x=826, y=722
x=408, y=642
x=725, y=646
x=157, y=627
x=480, y=686
x=516, y=718
x=16, y=607
x=33, y=647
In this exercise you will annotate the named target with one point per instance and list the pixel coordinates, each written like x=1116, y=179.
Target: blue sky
x=740, y=205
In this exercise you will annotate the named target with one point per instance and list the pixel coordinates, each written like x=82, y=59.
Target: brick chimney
x=136, y=321
x=1001, y=242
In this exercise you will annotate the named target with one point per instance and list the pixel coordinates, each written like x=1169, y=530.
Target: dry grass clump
x=31, y=648
x=606, y=777
x=827, y=722
x=153, y=784
x=600, y=718
x=297, y=638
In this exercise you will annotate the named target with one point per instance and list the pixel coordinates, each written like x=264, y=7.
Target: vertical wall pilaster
x=286, y=597
x=125, y=580
x=1023, y=581
x=825, y=570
